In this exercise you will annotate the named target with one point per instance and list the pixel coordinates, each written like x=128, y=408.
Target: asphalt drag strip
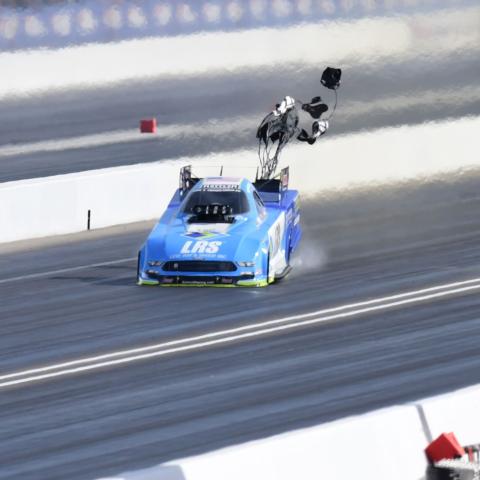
x=125, y=357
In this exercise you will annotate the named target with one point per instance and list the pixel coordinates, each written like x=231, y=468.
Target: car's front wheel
x=270, y=270
x=138, y=269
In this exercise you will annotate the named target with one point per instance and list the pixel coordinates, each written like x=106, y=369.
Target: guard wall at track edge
x=59, y=204
x=387, y=444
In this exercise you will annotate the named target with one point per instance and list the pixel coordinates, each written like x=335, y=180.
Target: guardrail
x=42, y=23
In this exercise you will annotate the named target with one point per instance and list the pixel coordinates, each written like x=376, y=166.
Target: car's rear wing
x=187, y=181
x=271, y=190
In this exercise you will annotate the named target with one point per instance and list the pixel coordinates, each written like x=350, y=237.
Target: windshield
x=237, y=200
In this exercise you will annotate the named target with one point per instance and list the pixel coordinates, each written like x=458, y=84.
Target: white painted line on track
x=235, y=334
x=31, y=276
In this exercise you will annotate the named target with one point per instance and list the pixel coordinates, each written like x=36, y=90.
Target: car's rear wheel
x=289, y=250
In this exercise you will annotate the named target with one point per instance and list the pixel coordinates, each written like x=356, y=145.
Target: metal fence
x=56, y=23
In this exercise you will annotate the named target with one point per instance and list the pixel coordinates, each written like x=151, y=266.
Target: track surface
x=99, y=423
x=357, y=247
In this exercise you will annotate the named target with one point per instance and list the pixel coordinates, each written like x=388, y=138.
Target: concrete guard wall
x=384, y=445
x=60, y=204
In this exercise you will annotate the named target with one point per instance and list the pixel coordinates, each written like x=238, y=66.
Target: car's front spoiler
x=246, y=280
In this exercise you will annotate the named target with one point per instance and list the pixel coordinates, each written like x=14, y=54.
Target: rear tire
x=289, y=250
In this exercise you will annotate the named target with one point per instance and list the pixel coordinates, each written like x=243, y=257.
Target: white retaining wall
x=59, y=204
x=384, y=445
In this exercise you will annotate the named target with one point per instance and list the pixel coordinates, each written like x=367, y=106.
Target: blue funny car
x=223, y=231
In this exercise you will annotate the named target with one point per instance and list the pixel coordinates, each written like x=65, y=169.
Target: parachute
x=274, y=132
x=331, y=78
x=281, y=125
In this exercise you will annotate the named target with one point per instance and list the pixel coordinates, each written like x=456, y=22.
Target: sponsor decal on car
x=289, y=215
x=200, y=231
x=275, y=234
x=222, y=184
x=200, y=246
x=221, y=187
x=192, y=281
x=200, y=234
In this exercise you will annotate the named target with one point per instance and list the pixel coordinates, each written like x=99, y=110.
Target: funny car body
x=223, y=231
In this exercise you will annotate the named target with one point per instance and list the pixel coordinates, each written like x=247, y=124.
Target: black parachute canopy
x=315, y=108
x=331, y=78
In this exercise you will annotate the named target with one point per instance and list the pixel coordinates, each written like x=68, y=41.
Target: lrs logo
x=200, y=247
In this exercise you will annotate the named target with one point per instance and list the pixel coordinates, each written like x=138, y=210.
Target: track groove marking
x=64, y=270
x=239, y=333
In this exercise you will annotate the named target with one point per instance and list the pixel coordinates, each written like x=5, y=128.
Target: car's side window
x=260, y=205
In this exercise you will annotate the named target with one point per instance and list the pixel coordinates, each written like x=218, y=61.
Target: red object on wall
x=446, y=446
x=148, y=125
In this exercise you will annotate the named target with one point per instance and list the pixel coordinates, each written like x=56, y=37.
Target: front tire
x=270, y=273
x=138, y=270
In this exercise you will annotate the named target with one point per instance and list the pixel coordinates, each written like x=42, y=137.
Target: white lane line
x=232, y=335
x=236, y=330
x=64, y=270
